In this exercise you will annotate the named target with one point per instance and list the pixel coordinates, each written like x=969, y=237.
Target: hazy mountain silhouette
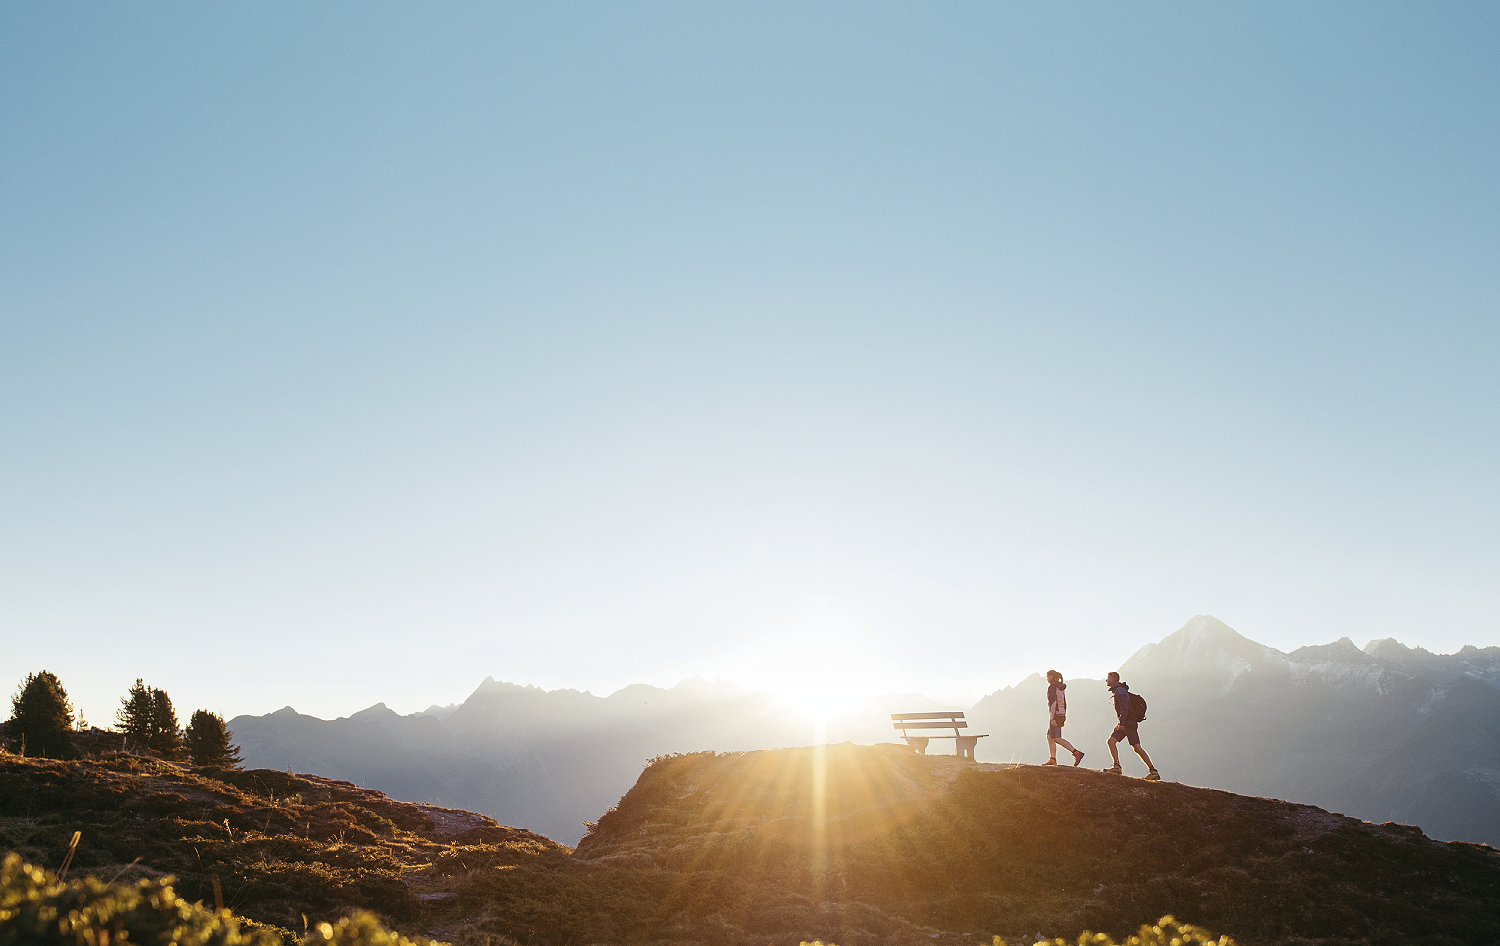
x=549, y=759
x=546, y=758
x=1387, y=734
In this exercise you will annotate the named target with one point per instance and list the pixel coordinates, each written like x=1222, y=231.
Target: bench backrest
x=905, y=721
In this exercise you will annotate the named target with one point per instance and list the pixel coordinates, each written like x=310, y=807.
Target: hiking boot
x=1050, y=762
x=1077, y=758
x=1114, y=770
x=1153, y=776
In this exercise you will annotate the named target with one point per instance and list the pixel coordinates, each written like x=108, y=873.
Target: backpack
x=1137, y=709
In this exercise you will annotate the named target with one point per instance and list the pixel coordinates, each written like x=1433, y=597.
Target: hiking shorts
x=1127, y=731
x=1054, y=728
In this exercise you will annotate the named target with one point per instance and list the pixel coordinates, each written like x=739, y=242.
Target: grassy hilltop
x=848, y=844
x=282, y=847
x=895, y=843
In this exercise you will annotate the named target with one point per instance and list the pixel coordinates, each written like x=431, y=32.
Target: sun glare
x=822, y=701
x=822, y=666
x=819, y=704
x=819, y=684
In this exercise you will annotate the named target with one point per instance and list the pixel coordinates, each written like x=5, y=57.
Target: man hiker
x=1126, y=728
x=1057, y=709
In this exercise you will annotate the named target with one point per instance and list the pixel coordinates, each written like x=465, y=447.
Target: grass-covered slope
x=281, y=847
x=867, y=844
x=855, y=845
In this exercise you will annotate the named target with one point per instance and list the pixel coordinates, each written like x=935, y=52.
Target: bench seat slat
x=927, y=716
x=957, y=723
x=949, y=735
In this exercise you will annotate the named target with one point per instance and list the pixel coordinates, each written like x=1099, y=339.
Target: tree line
x=42, y=721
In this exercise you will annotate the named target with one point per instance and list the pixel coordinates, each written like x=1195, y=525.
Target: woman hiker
x=1057, y=706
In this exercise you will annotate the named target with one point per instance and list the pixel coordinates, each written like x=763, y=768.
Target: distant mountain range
x=548, y=759
x=1386, y=734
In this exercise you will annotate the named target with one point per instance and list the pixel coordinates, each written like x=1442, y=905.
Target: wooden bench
x=953, y=721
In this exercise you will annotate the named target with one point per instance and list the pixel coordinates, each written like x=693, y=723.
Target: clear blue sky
x=355, y=352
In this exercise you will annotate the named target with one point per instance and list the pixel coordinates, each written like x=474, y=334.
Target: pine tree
x=207, y=741
x=148, y=721
x=41, y=718
x=134, y=717
x=166, y=736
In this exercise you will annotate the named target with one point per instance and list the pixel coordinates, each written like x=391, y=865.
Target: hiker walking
x=1126, y=728
x=1057, y=709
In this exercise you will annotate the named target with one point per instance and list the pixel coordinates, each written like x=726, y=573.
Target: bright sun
x=819, y=701
x=819, y=666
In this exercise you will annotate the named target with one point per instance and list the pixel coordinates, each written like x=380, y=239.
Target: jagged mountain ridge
x=551, y=759
x=1482, y=664
x=532, y=756
x=1329, y=724
x=1415, y=739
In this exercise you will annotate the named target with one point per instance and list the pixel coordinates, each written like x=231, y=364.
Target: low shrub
x=1164, y=932
x=38, y=909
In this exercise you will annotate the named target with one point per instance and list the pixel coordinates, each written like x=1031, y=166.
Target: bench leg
x=966, y=746
x=918, y=744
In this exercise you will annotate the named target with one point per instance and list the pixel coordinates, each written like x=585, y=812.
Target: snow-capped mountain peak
x=1204, y=648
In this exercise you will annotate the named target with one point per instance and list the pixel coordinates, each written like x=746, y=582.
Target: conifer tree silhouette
x=166, y=735
x=41, y=718
x=147, y=719
x=134, y=716
x=207, y=741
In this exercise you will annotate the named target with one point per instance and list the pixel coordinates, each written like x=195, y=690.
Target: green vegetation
x=42, y=725
x=39, y=909
x=134, y=716
x=166, y=735
x=147, y=719
x=207, y=741
x=41, y=718
x=1164, y=932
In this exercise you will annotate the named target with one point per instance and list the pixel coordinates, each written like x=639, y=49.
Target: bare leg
x=1113, y=752
x=1144, y=758
x=1052, y=745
